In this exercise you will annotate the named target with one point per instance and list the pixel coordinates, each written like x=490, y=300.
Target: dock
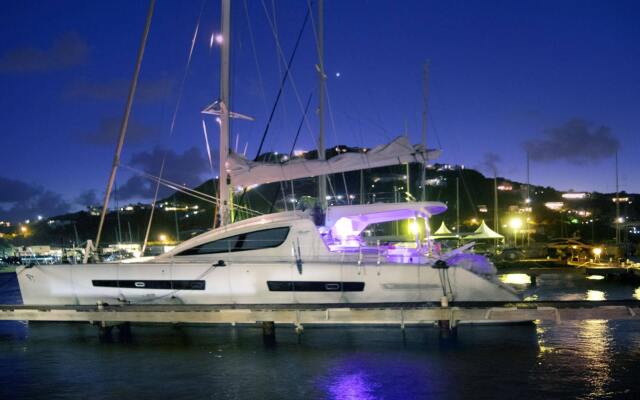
x=298, y=315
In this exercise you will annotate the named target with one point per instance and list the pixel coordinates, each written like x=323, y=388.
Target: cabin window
x=263, y=239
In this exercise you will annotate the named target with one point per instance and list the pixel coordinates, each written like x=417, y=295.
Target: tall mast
x=425, y=98
x=224, y=180
x=528, y=200
x=457, y=207
x=617, y=204
x=322, y=179
x=125, y=120
x=496, y=223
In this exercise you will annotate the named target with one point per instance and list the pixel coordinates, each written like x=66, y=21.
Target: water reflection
x=594, y=340
x=595, y=295
x=595, y=277
x=351, y=386
x=516, y=279
x=636, y=294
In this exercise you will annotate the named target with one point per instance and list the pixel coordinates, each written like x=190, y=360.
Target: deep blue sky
x=559, y=75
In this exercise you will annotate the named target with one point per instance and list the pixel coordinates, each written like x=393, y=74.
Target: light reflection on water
x=353, y=386
x=516, y=279
x=595, y=295
x=594, y=339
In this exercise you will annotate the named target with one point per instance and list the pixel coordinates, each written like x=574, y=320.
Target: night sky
x=559, y=78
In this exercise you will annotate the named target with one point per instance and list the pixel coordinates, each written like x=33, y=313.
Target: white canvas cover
x=356, y=218
x=245, y=173
x=484, y=232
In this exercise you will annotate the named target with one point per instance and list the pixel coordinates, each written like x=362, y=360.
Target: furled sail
x=245, y=173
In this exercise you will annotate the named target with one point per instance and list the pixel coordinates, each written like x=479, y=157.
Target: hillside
x=179, y=216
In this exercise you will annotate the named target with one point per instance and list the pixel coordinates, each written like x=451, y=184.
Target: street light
x=162, y=237
x=597, y=251
x=515, y=223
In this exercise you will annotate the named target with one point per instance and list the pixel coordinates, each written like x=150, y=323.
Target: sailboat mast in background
x=125, y=121
x=425, y=94
x=322, y=179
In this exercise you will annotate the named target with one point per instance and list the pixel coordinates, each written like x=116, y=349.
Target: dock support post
x=448, y=330
x=124, y=332
x=104, y=333
x=269, y=332
x=534, y=280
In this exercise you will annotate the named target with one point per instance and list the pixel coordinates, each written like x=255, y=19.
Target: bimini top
x=354, y=219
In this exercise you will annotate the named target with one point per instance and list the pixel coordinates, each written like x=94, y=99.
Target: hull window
x=263, y=239
x=171, y=285
x=310, y=286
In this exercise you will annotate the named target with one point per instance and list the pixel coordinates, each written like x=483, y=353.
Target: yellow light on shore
x=515, y=223
x=162, y=237
x=597, y=251
x=23, y=229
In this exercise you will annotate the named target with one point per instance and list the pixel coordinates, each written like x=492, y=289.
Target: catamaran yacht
x=282, y=258
x=316, y=256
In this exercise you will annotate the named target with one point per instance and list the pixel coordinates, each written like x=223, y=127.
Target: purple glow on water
x=352, y=386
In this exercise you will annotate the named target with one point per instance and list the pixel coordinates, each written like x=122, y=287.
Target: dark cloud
x=490, y=162
x=12, y=190
x=109, y=128
x=148, y=91
x=20, y=200
x=575, y=141
x=87, y=198
x=184, y=168
x=67, y=51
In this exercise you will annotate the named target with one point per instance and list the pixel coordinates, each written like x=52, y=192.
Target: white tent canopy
x=483, y=232
x=443, y=232
x=246, y=173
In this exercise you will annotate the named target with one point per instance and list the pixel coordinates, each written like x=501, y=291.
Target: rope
x=172, y=126
x=290, y=75
x=183, y=189
x=282, y=83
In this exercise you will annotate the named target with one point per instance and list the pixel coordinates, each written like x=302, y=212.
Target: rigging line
x=206, y=141
x=282, y=83
x=468, y=193
x=295, y=139
x=183, y=189
x=324, y=81
x=280, y=62
x=172, y=126
x=125, y=119
x=255, y=58
x=433, y=128
x=291, y=79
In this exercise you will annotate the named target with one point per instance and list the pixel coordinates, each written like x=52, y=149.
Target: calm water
x=587, y=360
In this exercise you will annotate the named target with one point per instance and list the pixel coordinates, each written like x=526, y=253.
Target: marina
x=319, y=199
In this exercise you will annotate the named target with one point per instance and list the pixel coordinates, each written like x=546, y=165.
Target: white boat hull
x=250, y=283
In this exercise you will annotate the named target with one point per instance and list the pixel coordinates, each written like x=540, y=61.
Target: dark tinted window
x=263, y=239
